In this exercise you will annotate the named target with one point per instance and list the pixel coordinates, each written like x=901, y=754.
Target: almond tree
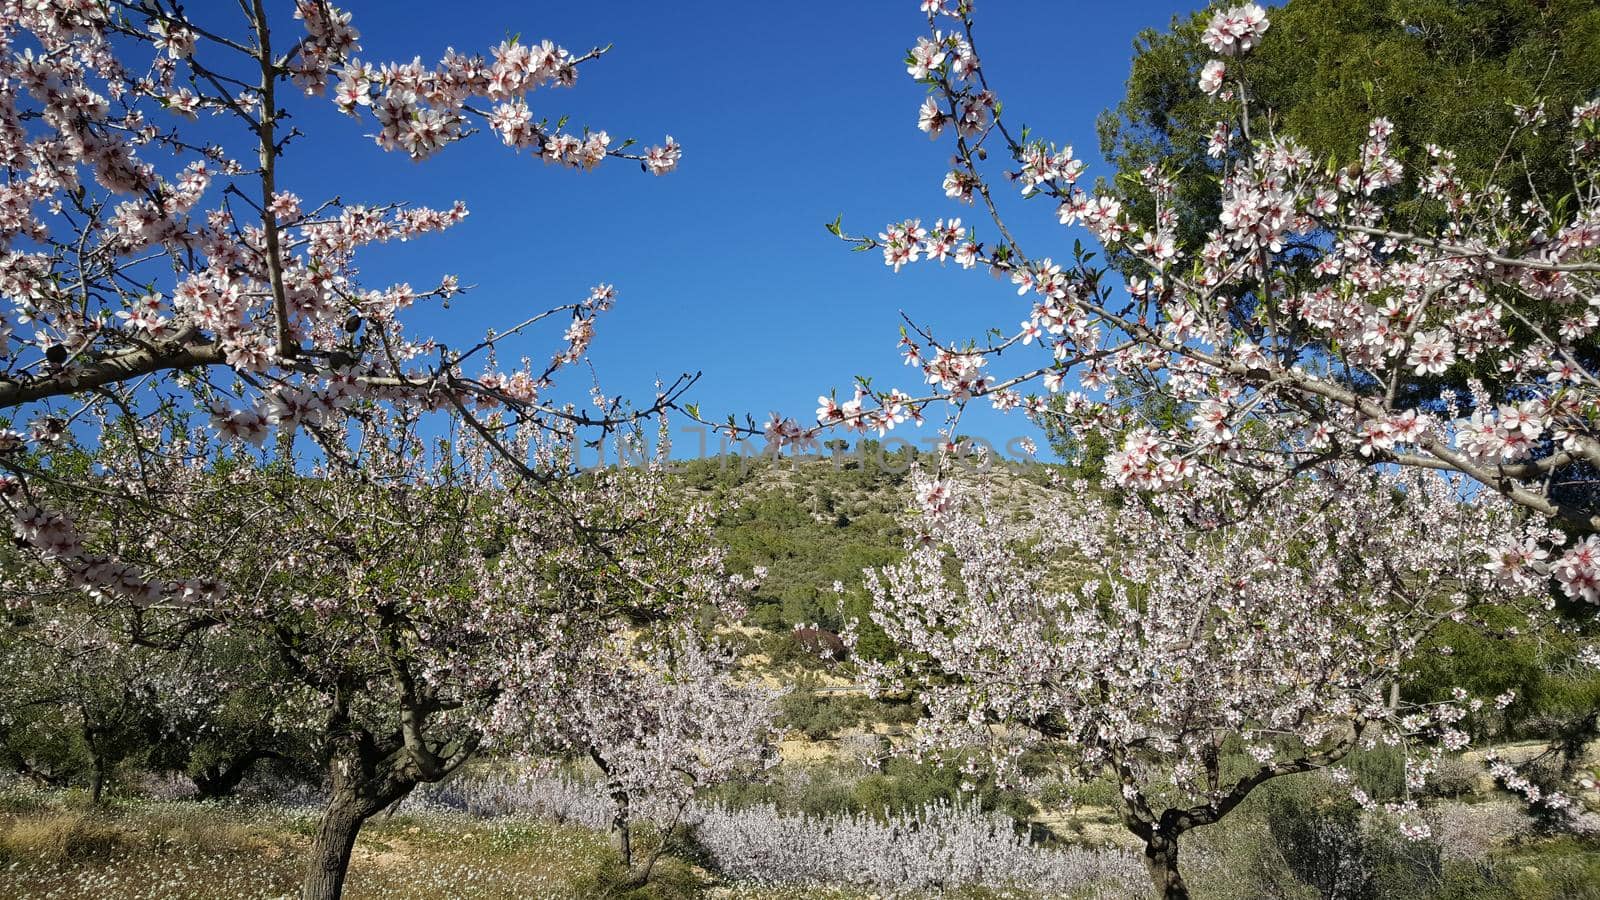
x=80, y=700
x=80, y=697
x=150, y=262
x=1148, y=640
x=133, y=250
x=423, y=598
x=663, y=715
x=155, y=268
x=1315, y=324
x=1312, y=324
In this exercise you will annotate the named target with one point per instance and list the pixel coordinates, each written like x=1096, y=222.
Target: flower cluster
x=1237, y=30
x=1146, y=461
x=267, y=289
x=1578, y=570
x=1212, y=76
x=908, y=242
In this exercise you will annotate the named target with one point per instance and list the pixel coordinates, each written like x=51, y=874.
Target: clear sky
x=789, y=115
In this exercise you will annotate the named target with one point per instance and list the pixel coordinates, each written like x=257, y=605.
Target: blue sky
x=789, y=115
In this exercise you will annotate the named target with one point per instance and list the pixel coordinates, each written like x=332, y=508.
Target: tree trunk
x=621, y=837
x=621, y=834
x=329, y=859
x=221, y=780
x=1161, y=858
x=97, y=780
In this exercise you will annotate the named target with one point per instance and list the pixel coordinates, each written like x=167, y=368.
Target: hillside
x=812, y=522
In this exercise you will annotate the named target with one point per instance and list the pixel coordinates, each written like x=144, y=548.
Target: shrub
x=1469, y=832
x=942, y=846
x=670, y=879
x=1320, y=838
x=1099, y=792
x=818, y=717
x=1454, y=777
x=1564, y=869
x=557, y=799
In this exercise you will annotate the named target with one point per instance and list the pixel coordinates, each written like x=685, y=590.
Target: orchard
x=320, y=582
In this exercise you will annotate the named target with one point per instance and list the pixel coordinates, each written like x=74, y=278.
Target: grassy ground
x=190, y=850
x=53, y=847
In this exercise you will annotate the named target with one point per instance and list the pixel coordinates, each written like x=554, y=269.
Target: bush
x=1380, y=771
x=670, y=879
x=1454, y=777
x=556, y=799
x=1302, y=837
x=1564, y=869
x=937, y=848
x=1099, y=792
x=1470, y=832
x=1319, y=836
x=819, y=717
x=1549, y=687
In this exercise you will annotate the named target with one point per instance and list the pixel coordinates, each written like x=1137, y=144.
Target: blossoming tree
x=148, y=260
x=663, y=715
x=1311, y=324
x=1149, y=640
x=133, y=250
x=423, y=599
x=79, y=698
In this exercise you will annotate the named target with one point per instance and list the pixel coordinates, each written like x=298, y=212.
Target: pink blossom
x=1236, y=30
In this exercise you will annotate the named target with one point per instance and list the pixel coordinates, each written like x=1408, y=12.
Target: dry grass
x=197, y=851
x=59, y=836
x=193, y=850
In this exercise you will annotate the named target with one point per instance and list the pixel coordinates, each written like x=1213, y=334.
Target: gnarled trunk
x=1161, y=858
x=329, y=858
x=221, y=780
x=328, y=861
x=371, y=772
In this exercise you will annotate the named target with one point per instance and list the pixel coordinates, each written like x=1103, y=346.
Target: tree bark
x=329, y=858
x=124, y=366
x=621, y=833
x=370, y=773
x=97, y=779
x=1161, y=858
